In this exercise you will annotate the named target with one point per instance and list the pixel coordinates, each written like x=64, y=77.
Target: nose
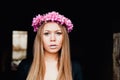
x=52, y=38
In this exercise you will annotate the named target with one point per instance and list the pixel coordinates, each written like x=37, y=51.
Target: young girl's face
x=52, y=37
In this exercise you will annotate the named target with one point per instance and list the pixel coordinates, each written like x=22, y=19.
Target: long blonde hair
x=37, y=69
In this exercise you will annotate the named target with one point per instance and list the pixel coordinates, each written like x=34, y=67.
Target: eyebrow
x=50, y=30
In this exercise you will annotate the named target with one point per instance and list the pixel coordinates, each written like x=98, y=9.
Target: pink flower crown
x=52, y=17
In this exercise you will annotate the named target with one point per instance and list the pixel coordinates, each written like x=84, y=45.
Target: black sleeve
x=22, y=70
x=76, y=71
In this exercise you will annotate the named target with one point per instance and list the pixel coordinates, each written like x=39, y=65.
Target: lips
x=53, y=46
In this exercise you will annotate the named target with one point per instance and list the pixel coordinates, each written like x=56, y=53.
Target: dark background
x=91, y=39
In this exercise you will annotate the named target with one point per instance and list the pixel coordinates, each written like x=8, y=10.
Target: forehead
x=51, y=26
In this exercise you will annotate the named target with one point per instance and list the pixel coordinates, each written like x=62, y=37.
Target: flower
x=53, y=17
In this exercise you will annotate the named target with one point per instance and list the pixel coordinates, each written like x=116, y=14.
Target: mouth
x=53, y=46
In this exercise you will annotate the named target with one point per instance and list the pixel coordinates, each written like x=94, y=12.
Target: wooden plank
x=116, y=56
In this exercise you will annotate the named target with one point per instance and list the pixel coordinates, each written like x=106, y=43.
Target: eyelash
x=46, y=33
x=58, y=33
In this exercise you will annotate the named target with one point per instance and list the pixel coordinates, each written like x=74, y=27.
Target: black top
x=24, y=66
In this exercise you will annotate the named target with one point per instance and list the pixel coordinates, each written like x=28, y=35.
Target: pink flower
x=53, y=17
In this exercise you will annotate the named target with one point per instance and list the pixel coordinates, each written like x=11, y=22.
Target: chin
x=53, y=51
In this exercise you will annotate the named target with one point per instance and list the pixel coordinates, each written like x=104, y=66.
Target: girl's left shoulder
x=76, y=70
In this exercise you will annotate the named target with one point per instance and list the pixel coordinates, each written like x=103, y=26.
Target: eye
x=58, y=33
x=46, y=33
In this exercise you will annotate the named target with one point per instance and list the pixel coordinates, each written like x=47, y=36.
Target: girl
x=51, y=56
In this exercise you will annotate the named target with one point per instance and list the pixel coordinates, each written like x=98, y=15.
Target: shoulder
x=76, y=70
x=23, y=69
x=75, y=64
x=25, y=64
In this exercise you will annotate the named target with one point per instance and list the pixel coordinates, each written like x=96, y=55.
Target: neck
x=51, y=57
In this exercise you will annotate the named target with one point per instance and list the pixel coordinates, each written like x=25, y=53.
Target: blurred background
x=91, y=40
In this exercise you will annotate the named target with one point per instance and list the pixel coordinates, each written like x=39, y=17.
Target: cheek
x=45, y=40
x=60, y=40
x=45, y=44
